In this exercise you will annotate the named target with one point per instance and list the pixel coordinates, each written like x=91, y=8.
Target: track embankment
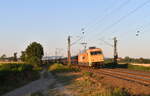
x=139, y=77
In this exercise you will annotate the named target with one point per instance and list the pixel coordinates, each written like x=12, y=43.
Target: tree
x=15, y=56
x=23, y=56
x=34, y=53
x=127, y=59
x=3, y=57
x=35, y=61
x=141, y=60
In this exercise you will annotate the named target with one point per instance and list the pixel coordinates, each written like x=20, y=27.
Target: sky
x=50, y=22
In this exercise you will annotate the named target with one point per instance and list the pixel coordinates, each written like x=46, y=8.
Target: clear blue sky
x=49, y=22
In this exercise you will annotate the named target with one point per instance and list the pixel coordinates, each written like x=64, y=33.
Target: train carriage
x=92, y=57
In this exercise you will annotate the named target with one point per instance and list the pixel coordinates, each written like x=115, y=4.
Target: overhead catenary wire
x=124, y=17
x=146, y=28
x=99, y=20
x=89, y=24
x=81, y=38
x=132, y=11
x=75, y=42
x=138, y=31
x=107, y=43
x=120, y=19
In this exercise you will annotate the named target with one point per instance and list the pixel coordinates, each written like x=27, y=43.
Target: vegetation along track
x=129, y=75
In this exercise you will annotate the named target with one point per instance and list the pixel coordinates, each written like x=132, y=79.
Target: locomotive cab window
x=96, y=53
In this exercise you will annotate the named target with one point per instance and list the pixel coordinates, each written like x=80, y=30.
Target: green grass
x=136, y=67
x=127, y=66
x=16, y=75
x=88, y=74
x=112, y=65
x=85, y=86
x=55, y=68
x=37, y=94
x=82, y=84
x=114, y=92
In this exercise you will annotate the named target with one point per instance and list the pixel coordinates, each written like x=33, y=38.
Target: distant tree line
x=32, y=55
x=127, y=59
x=5, y=58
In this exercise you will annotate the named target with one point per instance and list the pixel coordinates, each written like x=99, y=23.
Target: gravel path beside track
x=33, y=87
x=42, y=85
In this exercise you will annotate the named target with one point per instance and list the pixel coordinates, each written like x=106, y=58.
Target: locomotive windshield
x=96, y=53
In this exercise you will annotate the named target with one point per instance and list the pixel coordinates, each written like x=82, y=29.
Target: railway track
x=145, y=75
x=128, y=75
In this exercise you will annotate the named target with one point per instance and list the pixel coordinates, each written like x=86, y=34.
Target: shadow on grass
x=15, y=76
x=112, y=65
x=126, y=66
x=66, y=79
x=63, y=74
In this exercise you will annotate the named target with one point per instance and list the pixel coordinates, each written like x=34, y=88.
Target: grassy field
x=139, y=64
x=77, y=82
x=2, y=62
x=127, y=66
x=81, y=83
x=136, y=67
x=16, y=75
x=8, y=62
x=56, y=68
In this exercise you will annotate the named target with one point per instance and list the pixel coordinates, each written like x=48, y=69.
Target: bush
x=15, y=75
x=61, y=68
x=35, y=61
x=88, y=74
x=120, y=92
x=55, y=67
x=115, y=92
x=16, y=67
